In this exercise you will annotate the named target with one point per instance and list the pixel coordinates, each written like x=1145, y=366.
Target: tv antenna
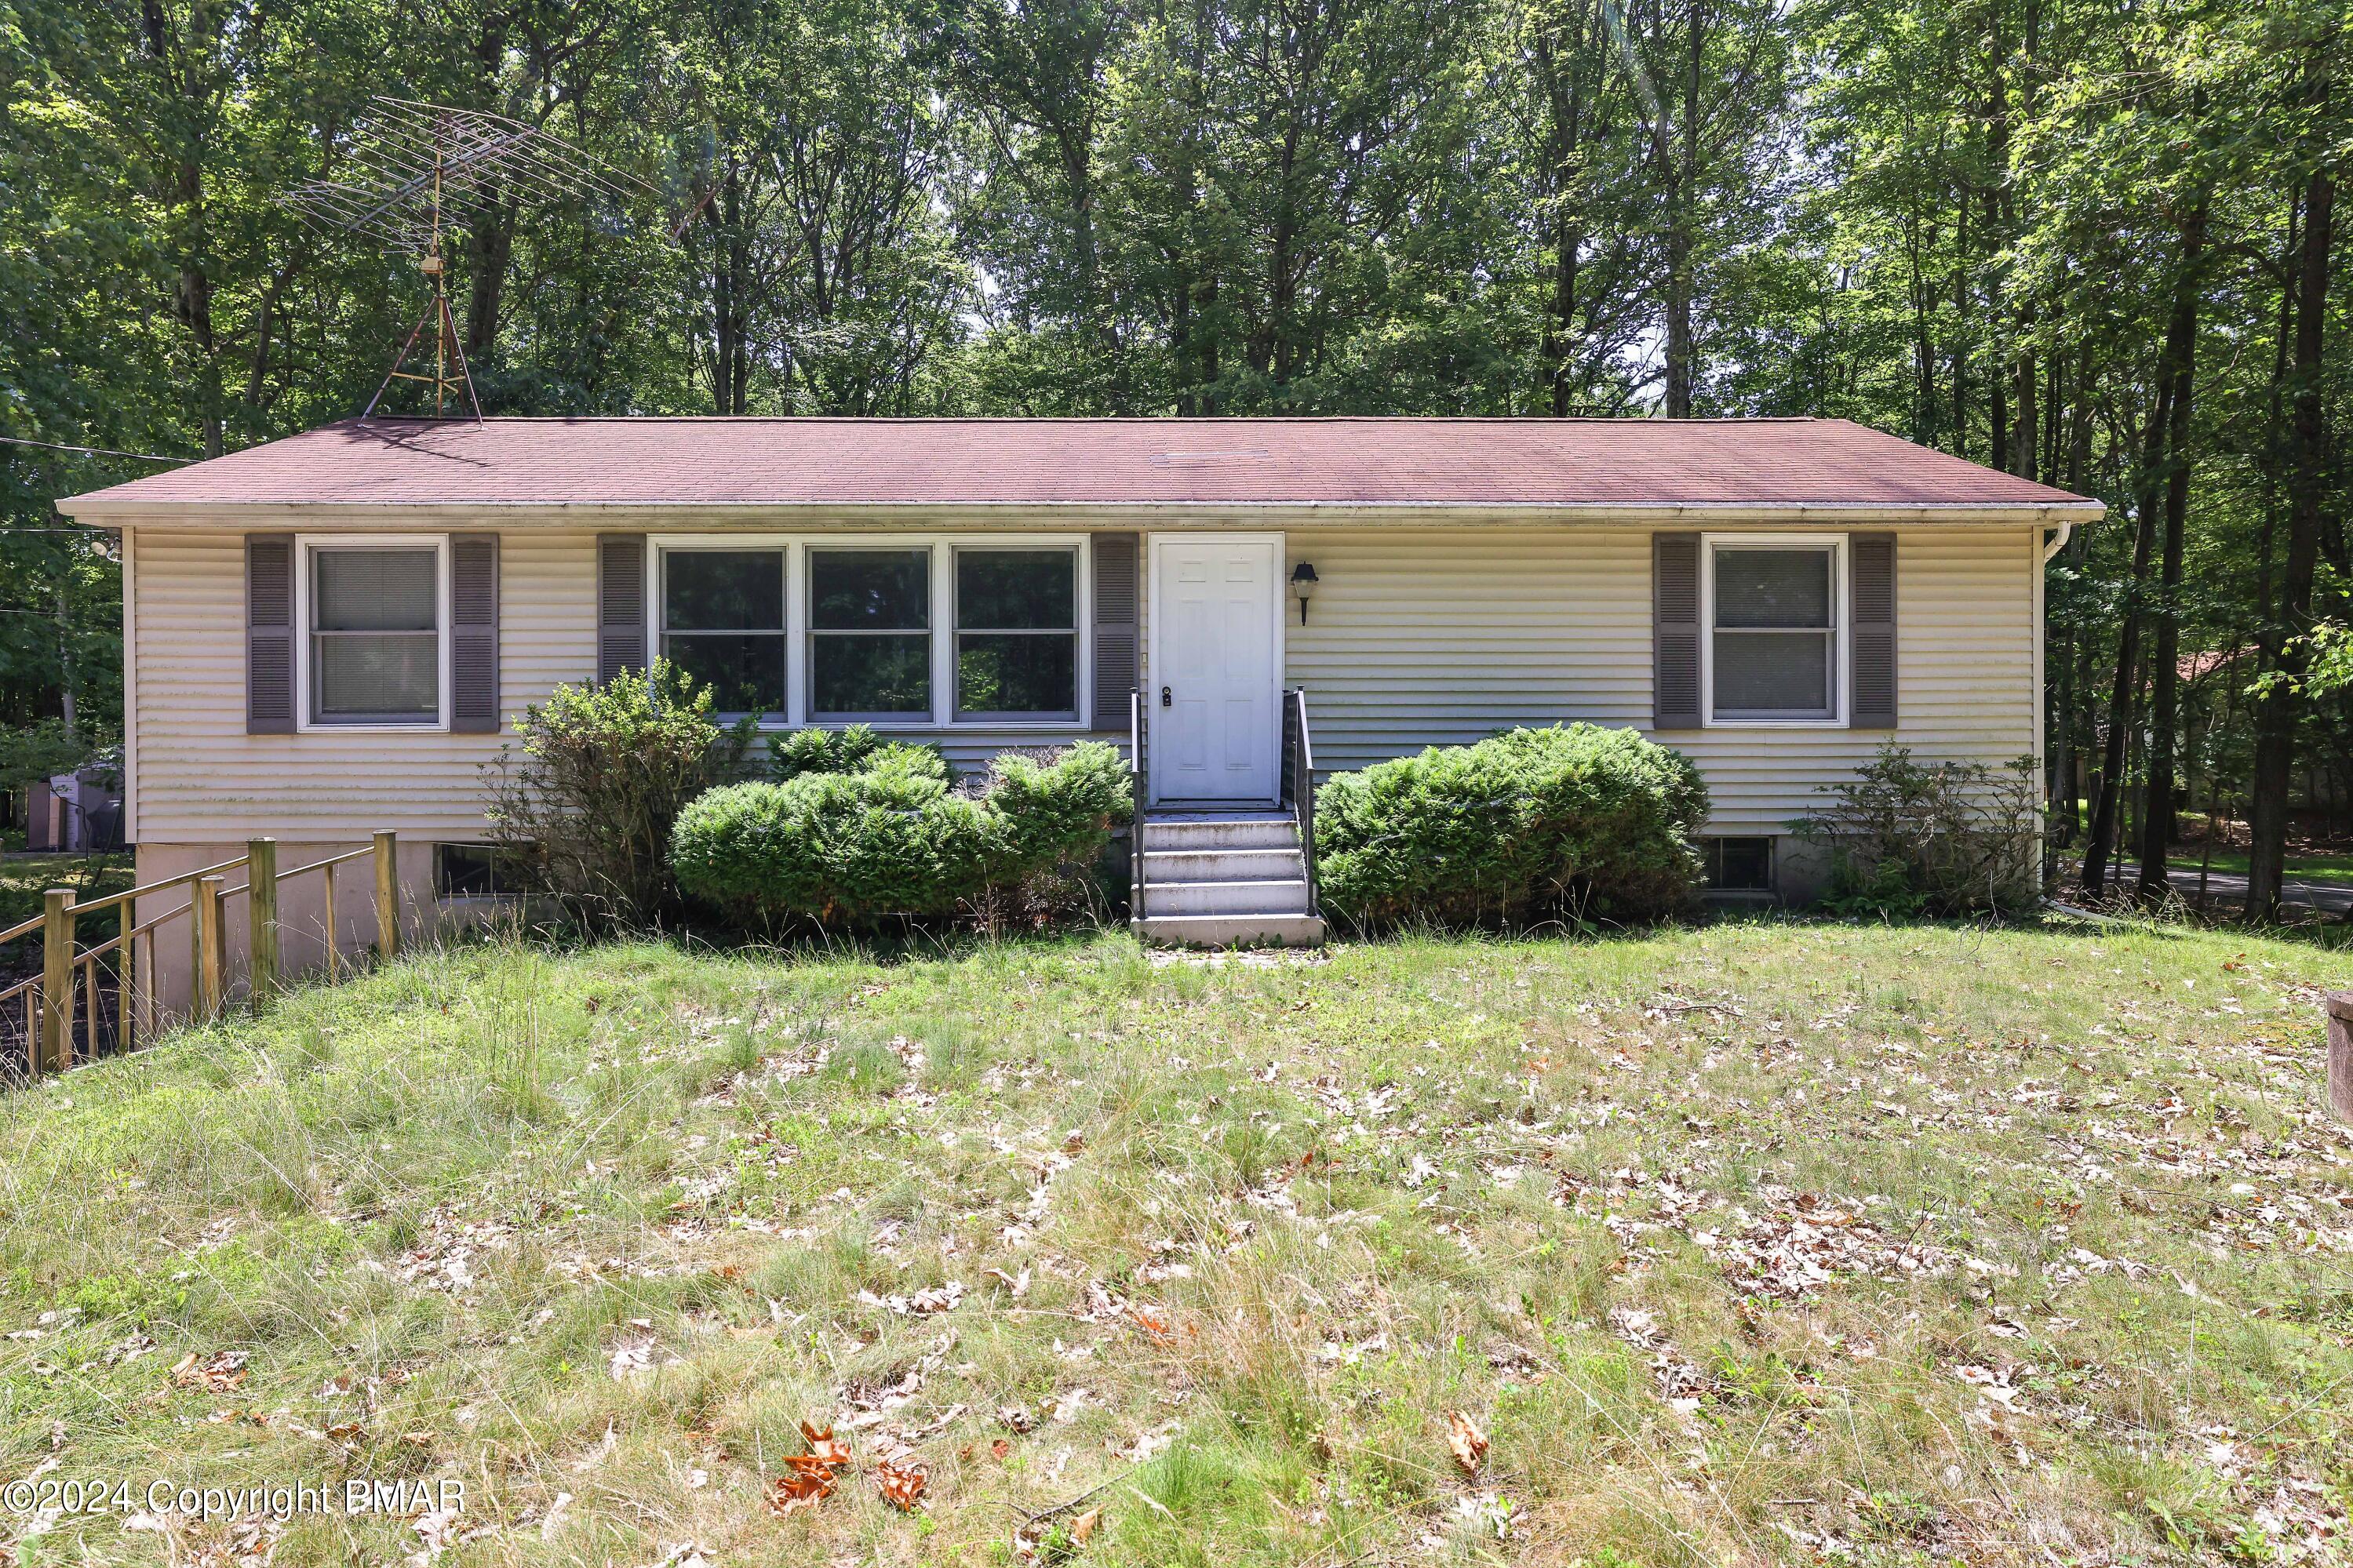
x=407, y=167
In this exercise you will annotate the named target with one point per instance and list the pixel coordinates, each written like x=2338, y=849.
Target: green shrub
x=892, y=837
x=604, y=773
x=1907, y=838
x=849, y=751
x=1577, y=821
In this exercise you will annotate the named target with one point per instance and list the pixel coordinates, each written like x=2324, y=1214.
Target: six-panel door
x=1215, y=668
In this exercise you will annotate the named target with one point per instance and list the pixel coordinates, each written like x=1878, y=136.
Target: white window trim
x=1841, y=618
x=305, y=545
x=942, y=716
x=1076, y=550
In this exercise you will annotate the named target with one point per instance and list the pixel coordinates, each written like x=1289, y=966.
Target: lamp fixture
x=1303, y=587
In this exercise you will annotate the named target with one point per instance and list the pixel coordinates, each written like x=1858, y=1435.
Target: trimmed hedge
x=891, y=837
x=1576, y=820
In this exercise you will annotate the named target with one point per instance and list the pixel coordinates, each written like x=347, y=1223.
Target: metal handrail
x=1300, y=786
x=1136, y=729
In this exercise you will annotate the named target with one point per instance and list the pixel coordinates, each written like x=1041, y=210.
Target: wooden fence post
x=387, y=894
x=2339, y=1006
x=208, y=946
x=57, y=979
x=261, y=916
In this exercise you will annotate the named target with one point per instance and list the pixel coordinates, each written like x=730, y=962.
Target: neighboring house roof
x=1602, y=464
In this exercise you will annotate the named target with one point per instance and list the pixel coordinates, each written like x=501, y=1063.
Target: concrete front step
x=1223, y=865
x=1284, y=897
x=1272, y=831
x=1232, y=930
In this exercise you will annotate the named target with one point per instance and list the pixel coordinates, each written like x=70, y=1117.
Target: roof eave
x=99, y=512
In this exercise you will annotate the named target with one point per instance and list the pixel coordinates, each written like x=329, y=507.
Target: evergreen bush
x=1574, y=821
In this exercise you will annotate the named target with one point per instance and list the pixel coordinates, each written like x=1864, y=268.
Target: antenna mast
x=405, y=168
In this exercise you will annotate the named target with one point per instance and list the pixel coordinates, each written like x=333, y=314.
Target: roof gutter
x=2063, y=514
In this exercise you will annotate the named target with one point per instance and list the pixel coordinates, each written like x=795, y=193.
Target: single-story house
x=329, y=633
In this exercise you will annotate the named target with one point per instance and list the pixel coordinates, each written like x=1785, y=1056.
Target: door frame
x=1152, y=663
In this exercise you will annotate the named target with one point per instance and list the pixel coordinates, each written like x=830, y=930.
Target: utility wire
x=89, y=451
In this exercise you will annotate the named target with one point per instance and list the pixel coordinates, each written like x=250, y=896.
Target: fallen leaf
x=902, y=1482
x=1470, y=1443
x=1084, y=1525
x=801, y=1488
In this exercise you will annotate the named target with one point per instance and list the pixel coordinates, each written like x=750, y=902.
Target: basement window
x=477, y=872
x=1738, y=865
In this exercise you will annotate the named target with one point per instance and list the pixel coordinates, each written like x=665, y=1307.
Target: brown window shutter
x=1871, y=565
x=474, y=633
x=620, y=604
x=1675, y=631
x=1117, y=593
x=269, y=634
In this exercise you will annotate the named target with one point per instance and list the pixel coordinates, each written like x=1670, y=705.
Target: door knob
x=1166, y=702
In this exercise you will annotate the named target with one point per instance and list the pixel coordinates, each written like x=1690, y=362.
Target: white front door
x=1215, y=668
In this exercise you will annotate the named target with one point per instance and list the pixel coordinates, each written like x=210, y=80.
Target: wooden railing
x=1138, y=723
x=70, y=980
x=1299, y=785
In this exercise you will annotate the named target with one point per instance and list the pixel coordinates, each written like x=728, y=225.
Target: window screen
x=1018, y=633
x=375, y=636
x=1776, y=632
x=870, y=633
x=724, y=624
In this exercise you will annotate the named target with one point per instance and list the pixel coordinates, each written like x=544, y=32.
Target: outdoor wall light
x=1303, y=585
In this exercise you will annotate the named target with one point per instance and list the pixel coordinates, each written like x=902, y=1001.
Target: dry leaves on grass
x=218, y=1373
x=902, y=1481
x=808, y=1477
x=1469, y=1443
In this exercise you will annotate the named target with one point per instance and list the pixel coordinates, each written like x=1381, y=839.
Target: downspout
x=2058, y=542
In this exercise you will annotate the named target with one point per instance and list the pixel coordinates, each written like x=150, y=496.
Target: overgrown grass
x=1760, y=1242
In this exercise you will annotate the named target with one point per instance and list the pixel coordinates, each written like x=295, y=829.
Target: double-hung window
x=723, y=623
x=377, y=633
x=870, y=633
x=1774, y=632
x=1017, y=633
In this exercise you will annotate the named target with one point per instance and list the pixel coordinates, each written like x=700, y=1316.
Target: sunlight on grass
x=1761, y=1241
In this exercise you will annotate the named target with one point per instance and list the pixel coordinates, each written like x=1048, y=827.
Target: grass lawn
x=1751, y=1243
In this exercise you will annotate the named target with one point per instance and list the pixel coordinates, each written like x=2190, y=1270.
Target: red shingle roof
x=1606, y=463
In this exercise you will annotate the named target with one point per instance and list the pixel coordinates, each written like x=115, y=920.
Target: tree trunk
x=2180, y=361
x=2275, y=719
x=2122, y=699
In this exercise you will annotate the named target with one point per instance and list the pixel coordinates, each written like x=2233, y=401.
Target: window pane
x=724, y=590
x=746, y=674
x=881, y=590
x=1741, y=864
x=373, y=590
x=392, y=675
x=1772, y=588
x=1002, y=590
x=997, y=674
x=1777, y=674
x=853, y=675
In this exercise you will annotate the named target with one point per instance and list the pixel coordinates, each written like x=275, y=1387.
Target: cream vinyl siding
x=1418, y=635
x=199, y=778
x=1433, y=639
